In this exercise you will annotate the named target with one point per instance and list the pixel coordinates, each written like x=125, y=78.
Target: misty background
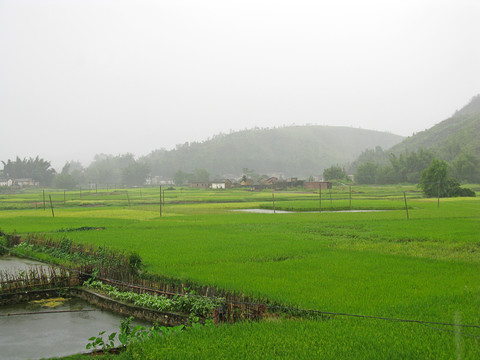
x=79, y=78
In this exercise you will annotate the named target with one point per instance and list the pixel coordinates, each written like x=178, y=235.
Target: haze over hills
x=455, y=140
x=292, y=151
x=449, y=138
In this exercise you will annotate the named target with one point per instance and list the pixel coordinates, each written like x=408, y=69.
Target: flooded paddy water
x=269, y=211
x=51, y=327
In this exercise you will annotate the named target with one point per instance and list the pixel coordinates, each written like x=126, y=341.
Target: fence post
x=350, y=197
x=273, y=200
x=438, y=195
x=51, y=204
x=160, y=200
x=406, y=208
x=320, y=197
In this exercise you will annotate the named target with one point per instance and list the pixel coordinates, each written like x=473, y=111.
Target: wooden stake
x=51, y=204
x=44, y=200
x=350, y=198
x=160, y=200
x=438, y=196
x=273, y=200
x=320, y=197
x=406, y=207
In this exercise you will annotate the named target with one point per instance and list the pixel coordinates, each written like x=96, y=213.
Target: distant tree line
x=32, y=168
x=378, y=167
x=104, y=170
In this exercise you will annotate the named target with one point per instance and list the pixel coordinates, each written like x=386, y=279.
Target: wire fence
x=237, y=306
x=337, y=198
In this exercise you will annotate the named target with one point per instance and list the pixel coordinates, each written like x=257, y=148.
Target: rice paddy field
x=423, y=267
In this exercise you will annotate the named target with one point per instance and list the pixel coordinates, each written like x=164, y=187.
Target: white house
x=25, y=182
x=6, y=182
x=221, y=184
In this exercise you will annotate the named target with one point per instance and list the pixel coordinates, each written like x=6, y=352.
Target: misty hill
x=449, y=138
x=292, y=151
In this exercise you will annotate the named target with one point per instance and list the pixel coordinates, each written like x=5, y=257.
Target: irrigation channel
x=52, y=327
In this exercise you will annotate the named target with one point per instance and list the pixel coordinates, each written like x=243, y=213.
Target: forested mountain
x=455, y=140
x=293, y=151
x=448, y=139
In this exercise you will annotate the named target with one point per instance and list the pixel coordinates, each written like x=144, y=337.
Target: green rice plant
x=379, y=263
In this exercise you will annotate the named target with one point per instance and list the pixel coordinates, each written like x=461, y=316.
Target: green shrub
x=3, y=245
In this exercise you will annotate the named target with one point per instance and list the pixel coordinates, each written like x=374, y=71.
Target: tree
x=36, y=169
x=135, y=174
x=107, y=169
x=366, y=173
x=64, y=180
x=435, y=182
x=77, y=171
x=334, y=173
x=467, y=168
x=200, y=175
x=180, y=178
x=385, y=175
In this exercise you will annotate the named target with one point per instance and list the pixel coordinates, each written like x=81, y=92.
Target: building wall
x=312, y=185
x=198, y=185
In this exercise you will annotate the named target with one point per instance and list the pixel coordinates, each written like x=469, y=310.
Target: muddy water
x=51, y=334
x=44, y=335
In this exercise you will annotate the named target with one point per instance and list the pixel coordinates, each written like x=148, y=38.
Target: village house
x=199, y=185
x=270, y=181
x=221, y=184
x=158, y=180
x=247, y=182
x=6, y=182
x=19, y=182
x=25, y=182
x=313, y=185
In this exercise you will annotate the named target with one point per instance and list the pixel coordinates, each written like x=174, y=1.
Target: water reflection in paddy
x=43, y=334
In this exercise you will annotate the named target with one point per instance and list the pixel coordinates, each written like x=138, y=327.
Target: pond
x=52, y=327
x=15, y=265
x=268, y=211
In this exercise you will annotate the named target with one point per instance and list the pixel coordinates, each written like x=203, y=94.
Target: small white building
x=6, y=182
x=25, y=182
x=221, y=184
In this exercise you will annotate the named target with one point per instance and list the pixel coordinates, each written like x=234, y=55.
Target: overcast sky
x=83, y=77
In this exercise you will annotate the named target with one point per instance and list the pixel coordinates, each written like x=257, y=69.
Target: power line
x=290, y=309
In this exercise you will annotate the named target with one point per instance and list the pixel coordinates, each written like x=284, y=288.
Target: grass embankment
x=426, y=268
